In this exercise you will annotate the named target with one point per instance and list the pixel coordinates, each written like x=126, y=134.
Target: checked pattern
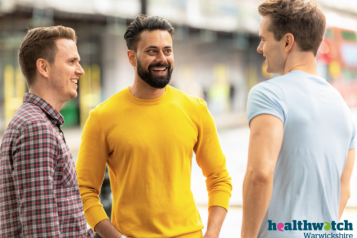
x=39, y=195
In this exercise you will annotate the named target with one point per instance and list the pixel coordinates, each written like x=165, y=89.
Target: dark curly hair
x=302, y=18
x=145, y=23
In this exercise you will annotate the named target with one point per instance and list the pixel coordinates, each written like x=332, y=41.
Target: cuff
x=220, y=199
x=94, y=215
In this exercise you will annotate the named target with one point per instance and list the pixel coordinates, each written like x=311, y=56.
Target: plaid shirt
x=39, y=195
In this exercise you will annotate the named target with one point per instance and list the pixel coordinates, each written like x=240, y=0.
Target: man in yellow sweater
x=146, y=134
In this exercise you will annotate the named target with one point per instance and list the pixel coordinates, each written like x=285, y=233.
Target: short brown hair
x=302, y=18
x=40, y=43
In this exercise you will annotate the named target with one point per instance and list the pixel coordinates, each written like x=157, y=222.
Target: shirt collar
x=45, y=106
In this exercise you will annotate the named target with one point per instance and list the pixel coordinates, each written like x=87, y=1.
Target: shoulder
x=36, y=131
x=109, y=108
x=266, y=98
x=188, y=100
x=28, y=115
x=110, y=105
x=112, y=101
x=33, y=135
x=270, y=88
x=28, y=122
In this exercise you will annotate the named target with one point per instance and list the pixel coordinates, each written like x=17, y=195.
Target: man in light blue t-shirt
x=302, y=140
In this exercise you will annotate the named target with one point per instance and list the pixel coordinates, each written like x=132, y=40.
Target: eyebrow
x=155, y=47
x=74, y=58
x=260, y=36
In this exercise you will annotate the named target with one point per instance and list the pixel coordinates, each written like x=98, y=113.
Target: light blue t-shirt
x=318, y=133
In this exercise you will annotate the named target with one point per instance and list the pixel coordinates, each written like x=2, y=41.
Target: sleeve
x=353, y=140
x=266, y=98
x=211, y=160
x=91, y=162
x=34, y=163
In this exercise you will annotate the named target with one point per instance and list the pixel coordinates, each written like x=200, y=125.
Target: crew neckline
x=152, y=101
x=311, y=75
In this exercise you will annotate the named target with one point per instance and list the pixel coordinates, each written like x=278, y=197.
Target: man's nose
x=161, y=57
x=260, y=48
x=80, y=70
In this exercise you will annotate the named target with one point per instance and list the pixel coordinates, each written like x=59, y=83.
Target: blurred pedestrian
x=302, y=136
x=146, y=134
x=39, y=194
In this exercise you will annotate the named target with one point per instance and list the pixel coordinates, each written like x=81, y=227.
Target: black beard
x=152, y=80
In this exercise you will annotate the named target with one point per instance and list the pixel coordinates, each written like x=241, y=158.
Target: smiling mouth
x=159, y=69
x=75, y=81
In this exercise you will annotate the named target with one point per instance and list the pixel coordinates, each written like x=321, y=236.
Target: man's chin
x=158, y=86
x=73, y=95
x=157, y=82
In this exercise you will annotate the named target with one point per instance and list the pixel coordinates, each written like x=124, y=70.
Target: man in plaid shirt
x=39, y=195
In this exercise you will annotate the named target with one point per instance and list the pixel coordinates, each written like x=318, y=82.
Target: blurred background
x=215, y=59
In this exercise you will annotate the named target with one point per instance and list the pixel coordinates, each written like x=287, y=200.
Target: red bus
x=337, y=62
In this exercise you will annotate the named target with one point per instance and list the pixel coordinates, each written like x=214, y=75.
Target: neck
x=48, y=96
x=303, y=61
x=142, y=90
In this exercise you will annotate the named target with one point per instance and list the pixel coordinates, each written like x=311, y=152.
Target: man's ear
x=289, y=41
x=132, y=57
x=43, y=67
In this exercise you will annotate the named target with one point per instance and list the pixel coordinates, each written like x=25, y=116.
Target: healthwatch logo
x=310, y=226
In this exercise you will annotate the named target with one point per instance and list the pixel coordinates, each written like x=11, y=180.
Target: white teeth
x=74, y=81
x=157, y=68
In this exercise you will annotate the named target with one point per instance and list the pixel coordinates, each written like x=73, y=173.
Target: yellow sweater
x=148, y=146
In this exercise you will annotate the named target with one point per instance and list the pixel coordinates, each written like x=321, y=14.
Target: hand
x=107, y=230
x=125, y=236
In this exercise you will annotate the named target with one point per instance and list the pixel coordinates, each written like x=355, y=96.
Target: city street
x=216, y=50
